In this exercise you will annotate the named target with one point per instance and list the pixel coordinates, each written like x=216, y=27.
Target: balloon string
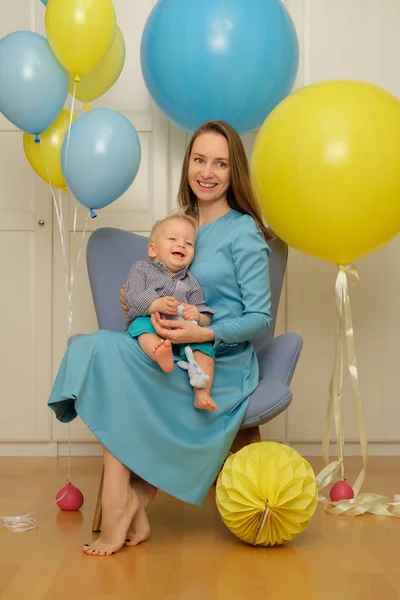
x=74, y=268
x=69, y=451
x=25, y=522
x=75, y=217
x=61, y=226
x=21, y=523
x=69, y=130
x=70, y=280
x=70, y=291
x=335, y=470
x=354, y=377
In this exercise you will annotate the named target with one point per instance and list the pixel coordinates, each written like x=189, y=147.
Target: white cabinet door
x=25, y=298
x=25, y=273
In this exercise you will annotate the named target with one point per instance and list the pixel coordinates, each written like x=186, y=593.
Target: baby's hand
x=166, y=305
x=191, y=313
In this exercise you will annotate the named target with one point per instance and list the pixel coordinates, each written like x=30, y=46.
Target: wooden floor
x=191, y=555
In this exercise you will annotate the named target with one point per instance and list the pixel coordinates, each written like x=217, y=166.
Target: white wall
x=338, y=38
x=356, y=39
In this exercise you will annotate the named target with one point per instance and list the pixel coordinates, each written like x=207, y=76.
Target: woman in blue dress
x=143, y=417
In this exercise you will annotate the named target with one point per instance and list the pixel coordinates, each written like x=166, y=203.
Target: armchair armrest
x=278, y=359
x=269, y=399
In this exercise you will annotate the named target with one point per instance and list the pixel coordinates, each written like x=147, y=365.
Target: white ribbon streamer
x=334, y=471
x=22, y=523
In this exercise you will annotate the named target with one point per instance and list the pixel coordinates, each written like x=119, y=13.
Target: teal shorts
x=144, y=325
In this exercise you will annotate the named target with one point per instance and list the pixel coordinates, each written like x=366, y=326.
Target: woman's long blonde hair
x=241, y=195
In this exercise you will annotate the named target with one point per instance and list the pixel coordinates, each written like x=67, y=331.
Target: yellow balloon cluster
x=326, y=164
x=45, y=157
x=266, y=494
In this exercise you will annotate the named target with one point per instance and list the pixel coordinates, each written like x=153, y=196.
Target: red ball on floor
x=69, y=497
x=341, y=491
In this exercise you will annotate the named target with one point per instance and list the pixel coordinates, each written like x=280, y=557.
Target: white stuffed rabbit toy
x=197, y=377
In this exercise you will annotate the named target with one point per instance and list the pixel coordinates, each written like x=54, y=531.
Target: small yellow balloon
x=80, y=32
x=45, y=157
x=326, y=164
x=98, y=82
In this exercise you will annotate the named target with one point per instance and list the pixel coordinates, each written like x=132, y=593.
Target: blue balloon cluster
x=233, y=60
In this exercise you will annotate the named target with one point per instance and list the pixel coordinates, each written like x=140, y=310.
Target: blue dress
x=145, y=417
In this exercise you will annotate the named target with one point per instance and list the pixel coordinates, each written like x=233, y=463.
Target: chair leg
x=245, y=437
x=96, y=527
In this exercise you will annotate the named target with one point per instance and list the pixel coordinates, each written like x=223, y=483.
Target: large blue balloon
x=33, y=84
x=102, y=157
x=233, y=60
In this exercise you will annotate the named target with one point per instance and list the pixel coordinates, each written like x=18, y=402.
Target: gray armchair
x=110, y=254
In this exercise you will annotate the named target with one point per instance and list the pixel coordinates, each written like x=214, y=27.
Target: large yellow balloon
x=80, y=32
x=326, y=164
x=45, y=158
x=98, y=82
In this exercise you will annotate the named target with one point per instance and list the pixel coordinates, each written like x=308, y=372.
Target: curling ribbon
x=334, y=471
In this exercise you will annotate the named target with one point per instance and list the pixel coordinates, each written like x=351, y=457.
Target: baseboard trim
x=51, y=449
x=54, y=449
x=350, y=449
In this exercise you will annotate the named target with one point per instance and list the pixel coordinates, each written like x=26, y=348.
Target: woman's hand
x=122, y=300
x=181, y=332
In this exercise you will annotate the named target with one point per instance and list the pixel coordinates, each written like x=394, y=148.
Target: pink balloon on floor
x=69, y=497
x=341, y=491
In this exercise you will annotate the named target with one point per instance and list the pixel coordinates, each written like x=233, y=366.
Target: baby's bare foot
x=203, y=400
x=114, y=527
x=162, y=353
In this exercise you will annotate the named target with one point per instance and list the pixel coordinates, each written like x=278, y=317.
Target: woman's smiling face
x=209, y=167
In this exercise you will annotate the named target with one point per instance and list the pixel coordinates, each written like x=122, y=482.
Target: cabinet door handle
x=41, y=222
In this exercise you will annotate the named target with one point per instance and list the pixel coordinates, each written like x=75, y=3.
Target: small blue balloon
x=102, y=157
x=233, y=60
x=33, y=84
x=44, y=2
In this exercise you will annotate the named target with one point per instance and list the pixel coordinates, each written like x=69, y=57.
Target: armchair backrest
x=110, y=254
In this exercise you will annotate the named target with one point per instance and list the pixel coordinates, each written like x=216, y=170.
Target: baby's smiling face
x=173, y=244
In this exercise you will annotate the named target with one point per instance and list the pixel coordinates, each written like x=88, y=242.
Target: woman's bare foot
x=203, y=400
x=162, y=354
x=116, y=519
x=139, y=530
